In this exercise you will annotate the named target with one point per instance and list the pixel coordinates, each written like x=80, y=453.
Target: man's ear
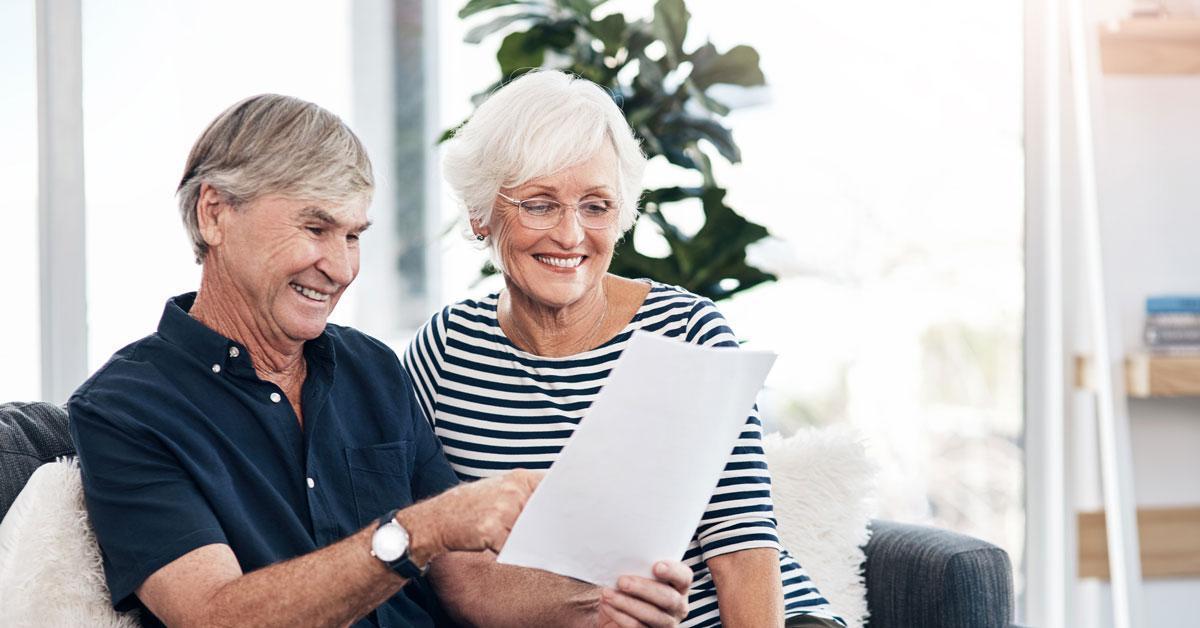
x=210, y=212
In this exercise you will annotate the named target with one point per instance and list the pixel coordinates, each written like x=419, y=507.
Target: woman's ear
x=210, y=209
x=480, y=231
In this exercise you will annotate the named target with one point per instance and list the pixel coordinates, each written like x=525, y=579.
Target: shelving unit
x=1151, y=45
x=1169, y=539
x=1149, y=375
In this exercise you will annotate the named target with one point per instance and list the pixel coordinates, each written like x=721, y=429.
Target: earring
x=480, y=237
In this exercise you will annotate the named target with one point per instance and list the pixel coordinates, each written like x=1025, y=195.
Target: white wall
x=1148, y=171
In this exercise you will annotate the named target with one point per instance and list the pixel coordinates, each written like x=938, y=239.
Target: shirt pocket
x=380, y=478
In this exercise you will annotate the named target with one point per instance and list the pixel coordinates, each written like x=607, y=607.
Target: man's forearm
x=332, y=586
x=477, y=591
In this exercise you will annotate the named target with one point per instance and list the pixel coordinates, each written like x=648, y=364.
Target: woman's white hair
x=273, y=144
x=541, y=123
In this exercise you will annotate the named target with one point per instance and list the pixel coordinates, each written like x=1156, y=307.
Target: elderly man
x=250, y=464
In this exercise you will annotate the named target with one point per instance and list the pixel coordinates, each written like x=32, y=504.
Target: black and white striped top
x=496, y=408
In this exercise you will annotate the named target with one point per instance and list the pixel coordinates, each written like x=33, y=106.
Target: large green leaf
x=478, y=33
x=691, y=129
x=523, y=51
x=670, y=195
x=723, y=238
x=670, y=25
x=582, y=8
x=477, y=6
x=738, y=66
x=610, y=31
x=520, y=51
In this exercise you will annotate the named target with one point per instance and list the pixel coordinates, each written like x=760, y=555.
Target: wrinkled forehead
x=349, y=214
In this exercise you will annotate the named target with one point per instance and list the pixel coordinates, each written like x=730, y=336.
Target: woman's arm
x=475, y=590
x=749, y=590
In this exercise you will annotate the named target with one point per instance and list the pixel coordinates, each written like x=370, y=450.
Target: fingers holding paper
x=479, y=515
x=637, y=601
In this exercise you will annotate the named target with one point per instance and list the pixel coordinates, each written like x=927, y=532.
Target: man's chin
x=304, y=328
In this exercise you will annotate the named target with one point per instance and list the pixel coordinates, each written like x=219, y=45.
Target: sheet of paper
x=632, y=483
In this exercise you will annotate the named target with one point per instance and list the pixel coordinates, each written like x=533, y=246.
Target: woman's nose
x=569, y=231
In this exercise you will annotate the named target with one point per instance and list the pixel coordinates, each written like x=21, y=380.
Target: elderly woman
x=549, y=173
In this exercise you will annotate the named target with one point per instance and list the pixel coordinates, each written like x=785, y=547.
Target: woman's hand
x=644, y=602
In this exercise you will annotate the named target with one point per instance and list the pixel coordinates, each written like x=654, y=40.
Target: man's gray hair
x=539, y=124
x=272, y=144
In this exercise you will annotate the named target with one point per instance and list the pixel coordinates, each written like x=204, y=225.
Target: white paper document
x=632, y=483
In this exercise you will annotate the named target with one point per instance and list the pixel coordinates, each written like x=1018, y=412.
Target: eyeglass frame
x=616, y=211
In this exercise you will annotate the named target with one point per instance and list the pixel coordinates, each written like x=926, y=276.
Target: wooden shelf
x=1148, y=375
x=1151, y=45
x=1169, y=539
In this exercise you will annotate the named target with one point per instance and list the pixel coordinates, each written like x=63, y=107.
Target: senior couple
x=251, y=464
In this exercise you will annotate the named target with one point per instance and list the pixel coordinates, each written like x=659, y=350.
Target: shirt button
x=312, y=483
x=275, y=397
x=216, y=368
x=233, y=352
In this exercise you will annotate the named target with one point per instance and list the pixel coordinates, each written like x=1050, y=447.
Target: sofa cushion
x=822, y=484
x=31, y=434
x=50, y=568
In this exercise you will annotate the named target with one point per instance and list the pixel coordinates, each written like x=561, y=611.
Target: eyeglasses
x=545, y=213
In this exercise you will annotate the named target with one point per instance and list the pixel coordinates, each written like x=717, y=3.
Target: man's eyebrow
x=327, y=218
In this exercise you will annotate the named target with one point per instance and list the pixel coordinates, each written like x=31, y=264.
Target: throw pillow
x=822, y=484
x=50, y=569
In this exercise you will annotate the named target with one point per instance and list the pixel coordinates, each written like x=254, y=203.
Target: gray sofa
x=916, y=576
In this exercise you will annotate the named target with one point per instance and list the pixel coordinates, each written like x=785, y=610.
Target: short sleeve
x=740, y=514
x=145, y=509
x=422, y=361
x=433, y=473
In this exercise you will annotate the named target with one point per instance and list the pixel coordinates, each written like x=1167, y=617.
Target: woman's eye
x=540, y=208
x=596, y=208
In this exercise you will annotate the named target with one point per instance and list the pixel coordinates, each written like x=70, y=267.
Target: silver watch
x=390, y=544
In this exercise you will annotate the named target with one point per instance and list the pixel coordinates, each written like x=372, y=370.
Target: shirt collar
x=179, y=328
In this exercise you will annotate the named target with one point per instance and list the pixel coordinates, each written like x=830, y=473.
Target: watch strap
x=403, y=565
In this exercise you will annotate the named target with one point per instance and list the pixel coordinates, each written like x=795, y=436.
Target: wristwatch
x=390, y=545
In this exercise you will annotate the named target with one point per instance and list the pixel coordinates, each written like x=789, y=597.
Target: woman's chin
x=556, y=294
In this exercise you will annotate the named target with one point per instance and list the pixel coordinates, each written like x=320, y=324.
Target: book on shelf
x=1157, y=336
x=1173, y=304
x=1172, y=322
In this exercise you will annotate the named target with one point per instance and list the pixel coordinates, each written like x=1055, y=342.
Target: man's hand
x=469, y=517
x=644, y=602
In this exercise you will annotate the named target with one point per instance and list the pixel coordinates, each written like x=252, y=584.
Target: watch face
x=389, y=542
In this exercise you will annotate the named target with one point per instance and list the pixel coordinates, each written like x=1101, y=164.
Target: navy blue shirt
x=182, y=445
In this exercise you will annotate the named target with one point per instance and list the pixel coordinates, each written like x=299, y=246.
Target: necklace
x=583, y=340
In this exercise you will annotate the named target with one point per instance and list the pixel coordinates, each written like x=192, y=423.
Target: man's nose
x=339, y=262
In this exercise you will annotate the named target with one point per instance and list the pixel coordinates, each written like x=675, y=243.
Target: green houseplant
x=663, y=90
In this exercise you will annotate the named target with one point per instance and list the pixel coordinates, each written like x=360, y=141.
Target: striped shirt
x=496, y=408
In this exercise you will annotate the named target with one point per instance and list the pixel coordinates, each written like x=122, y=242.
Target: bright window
x=20, y=370
x=155, y=75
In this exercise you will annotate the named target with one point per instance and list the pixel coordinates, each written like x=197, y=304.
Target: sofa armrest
x=31, y=434
x=922, y=576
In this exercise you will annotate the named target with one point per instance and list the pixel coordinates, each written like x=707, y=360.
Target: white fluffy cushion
x=50, y=569
x=822, y=483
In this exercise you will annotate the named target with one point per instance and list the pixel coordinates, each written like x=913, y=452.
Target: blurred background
x=887, y=153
